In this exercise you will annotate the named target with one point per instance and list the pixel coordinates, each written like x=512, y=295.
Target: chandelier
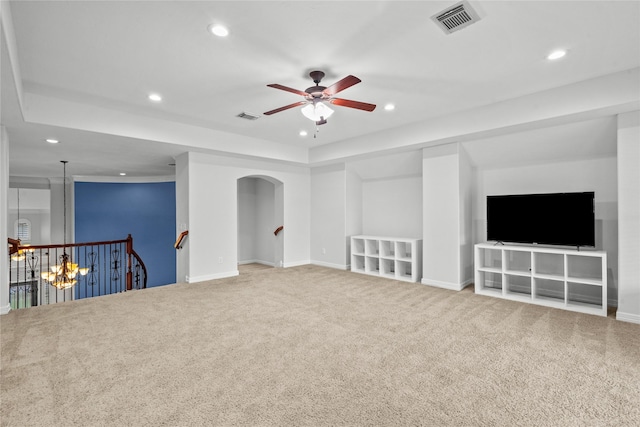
x=63, y=275
x=21, y=254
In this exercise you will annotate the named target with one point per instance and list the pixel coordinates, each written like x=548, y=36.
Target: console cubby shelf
x=561, y=278
x=393, y=258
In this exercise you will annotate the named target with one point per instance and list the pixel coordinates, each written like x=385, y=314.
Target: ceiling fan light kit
x=316, y=111
x=315, y=107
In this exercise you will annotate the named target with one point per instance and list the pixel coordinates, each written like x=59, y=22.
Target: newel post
x=129, y=263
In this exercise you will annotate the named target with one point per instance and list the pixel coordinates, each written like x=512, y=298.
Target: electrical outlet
x=220, y=260
x=324, y=251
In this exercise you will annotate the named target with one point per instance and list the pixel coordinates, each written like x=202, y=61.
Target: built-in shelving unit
x=562, y=278
x=394, y=258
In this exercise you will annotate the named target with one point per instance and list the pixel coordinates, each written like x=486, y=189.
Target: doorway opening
x=260, y=215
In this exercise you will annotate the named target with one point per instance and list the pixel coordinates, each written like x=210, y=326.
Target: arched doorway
x=260, y=214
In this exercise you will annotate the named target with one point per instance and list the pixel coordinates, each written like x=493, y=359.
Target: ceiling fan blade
x=286, y=107
x=343, y=84
x=353, y=104
x=288, y=89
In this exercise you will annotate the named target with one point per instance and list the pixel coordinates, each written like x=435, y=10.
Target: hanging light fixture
x=317, y=111
x=63, y=275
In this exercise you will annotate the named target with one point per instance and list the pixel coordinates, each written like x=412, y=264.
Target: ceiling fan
x=316, y=96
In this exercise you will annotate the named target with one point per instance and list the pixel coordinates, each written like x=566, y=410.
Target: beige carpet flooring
x=312, y=346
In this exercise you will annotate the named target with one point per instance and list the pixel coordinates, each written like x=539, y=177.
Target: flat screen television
x=566, y=219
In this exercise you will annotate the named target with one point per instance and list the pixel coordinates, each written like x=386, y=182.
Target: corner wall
x=629, y=217
x=182, y=216
x=353, y=203
x=5, y=307
x=447, y=244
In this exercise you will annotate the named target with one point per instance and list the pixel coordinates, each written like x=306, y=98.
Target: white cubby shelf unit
x=390, y=257
x=562, y=278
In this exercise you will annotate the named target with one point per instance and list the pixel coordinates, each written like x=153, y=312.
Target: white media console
x=393, y=258
x=561, y=278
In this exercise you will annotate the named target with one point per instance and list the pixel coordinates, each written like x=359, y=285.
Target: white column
x=182, y=215
x=629, y=217
x=446, y=198
x=5, y=307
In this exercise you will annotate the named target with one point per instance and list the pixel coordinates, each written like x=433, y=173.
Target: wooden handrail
x=103, y=268
x=70, y=245
x=14, y=245
x=178, y=243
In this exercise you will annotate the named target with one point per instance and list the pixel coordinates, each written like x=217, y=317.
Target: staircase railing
x=48, y=274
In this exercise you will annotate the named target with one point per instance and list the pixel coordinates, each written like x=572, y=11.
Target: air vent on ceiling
x=248, y=116
x=456, y=17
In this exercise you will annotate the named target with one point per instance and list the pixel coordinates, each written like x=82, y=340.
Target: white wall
x=246, y=220
x=40, y=226
x=597, y=175
x=629, y=216
x=5, y=307
x=278, y=218
x=447, y=186
x=182, y=216
x=34, y=206
x=328, y=216
x=213, y=218
x=57, y=210
x=353, y=208
x=265, y=222
x=256, y=221
x=392, y=207
x=466, y=176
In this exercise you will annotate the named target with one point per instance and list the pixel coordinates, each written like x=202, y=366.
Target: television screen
x=566, y=219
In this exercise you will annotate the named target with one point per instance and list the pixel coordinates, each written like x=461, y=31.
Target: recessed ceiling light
x=303, y=133
x=122, y=174
x=218, y=30
x=52, y=141
x=389, y=107
x=557, y=54
x=155, y=97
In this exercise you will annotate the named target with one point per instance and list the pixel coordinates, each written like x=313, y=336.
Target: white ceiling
x=84, y=70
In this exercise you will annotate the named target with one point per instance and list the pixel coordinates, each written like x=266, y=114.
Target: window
x=22, y=230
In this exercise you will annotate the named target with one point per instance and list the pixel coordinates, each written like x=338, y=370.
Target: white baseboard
x=296, y=263
x=257, y=261
x=628, y=317
x=196, y=279
x=331, y=265
x=5, y=309
x=447, y=285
